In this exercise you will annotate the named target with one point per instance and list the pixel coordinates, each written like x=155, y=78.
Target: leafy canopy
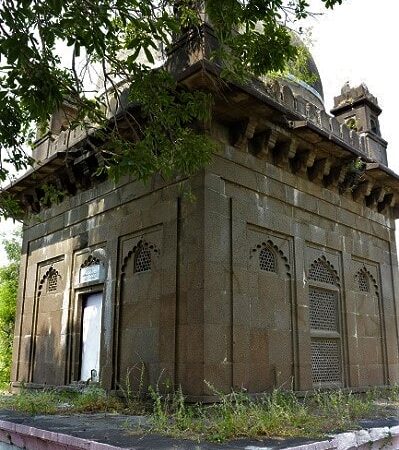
x=47, y=48
x=9, y=275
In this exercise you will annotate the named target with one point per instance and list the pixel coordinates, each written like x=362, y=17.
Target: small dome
x=311, y=91
x=316, y=84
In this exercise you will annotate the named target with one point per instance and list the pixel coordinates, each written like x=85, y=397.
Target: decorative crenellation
x=269, y=250
x=321, y=270
x=142, y=256
x=318, y=161
x=280, y=92
x=290, y=145
x=56, y=143
x=311, y=113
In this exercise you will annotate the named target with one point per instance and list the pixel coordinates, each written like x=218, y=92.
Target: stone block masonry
x=282, y=273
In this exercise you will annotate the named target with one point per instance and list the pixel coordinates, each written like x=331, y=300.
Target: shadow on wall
x=49, y=362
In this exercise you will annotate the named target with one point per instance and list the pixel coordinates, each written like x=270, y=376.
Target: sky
x=356, y=42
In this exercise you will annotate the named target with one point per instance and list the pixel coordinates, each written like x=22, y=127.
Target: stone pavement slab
x=115, y=432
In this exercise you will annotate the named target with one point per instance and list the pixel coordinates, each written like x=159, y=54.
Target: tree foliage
x=123, y=39
x=9, y=275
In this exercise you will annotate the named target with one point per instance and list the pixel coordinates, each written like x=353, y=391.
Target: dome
x=316, y=84
x=311, y=91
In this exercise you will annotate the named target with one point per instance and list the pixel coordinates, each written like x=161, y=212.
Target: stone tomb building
x=282, y=273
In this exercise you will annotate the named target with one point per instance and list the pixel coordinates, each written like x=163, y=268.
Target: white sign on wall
x=91, y=273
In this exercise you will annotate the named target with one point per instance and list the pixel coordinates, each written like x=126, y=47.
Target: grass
x=88, y=400
x=278, y=414
x=236, y=415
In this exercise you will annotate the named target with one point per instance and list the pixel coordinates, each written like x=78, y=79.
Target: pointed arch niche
x=139, y=312
x=267, y=312
x=270, y=258
x=324, y=294
x=46, y=363
x=366, y=328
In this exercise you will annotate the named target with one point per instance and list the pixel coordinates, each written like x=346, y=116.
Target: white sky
x=357, y=42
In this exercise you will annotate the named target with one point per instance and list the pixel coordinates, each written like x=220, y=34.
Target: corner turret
x=359, y=110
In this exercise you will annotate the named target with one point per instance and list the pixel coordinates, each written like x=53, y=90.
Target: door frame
x=76, y=329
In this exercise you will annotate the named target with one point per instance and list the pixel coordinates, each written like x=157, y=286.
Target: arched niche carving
x=137, y=305
x=49, y=282
x=46, y=288
x=271, y=257
x=365, y=281
x=321, y=270
x=142, y=248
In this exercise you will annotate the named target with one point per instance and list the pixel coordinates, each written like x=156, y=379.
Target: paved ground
x=116, y=430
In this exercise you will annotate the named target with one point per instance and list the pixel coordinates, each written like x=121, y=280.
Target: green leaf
x=148, y=54
x=112, y=34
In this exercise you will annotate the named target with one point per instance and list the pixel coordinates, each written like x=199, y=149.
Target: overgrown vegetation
x=89, y=400
x=236, y=415
x=279, y=414
x=9, y=275
x=119, y=42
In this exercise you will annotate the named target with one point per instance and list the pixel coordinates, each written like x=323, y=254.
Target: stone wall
x=268, y=332
x=226, y=289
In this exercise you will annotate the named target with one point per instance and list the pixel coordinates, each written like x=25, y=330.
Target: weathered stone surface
x=274, y=276
x=288, y=97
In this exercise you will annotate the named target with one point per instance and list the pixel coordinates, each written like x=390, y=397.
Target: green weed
x=50, y=401
x=278, y=414
x=33, y=402
x=96, y=399
x=134, y=399
x=235, y=415
x=342, y=409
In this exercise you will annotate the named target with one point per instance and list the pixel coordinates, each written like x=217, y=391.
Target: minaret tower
x=359, y=110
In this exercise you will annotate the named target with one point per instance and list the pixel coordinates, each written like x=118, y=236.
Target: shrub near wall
x=8, y=294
